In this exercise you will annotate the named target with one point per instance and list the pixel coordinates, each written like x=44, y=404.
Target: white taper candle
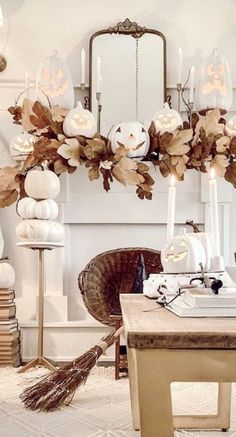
x=192, y=71
x=98, y=74
x=82, y=66
x=171, y=209
x=180, y=65
x=214, y=213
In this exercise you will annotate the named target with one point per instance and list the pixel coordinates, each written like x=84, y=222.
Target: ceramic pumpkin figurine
x=22, y=145
x=133, y=136
x=80, y=121
x=167, y=119
x=183, y=254
x=55, y=82
x=42, y=184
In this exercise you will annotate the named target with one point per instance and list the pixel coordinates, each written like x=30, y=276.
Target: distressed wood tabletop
x=163, y=329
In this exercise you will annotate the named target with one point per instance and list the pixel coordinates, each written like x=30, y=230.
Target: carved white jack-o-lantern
x=215, y=86
x=167, y=119
x=230, y=126
x=79, y=121
x=133, y=136
x=55, y=82
x=22, y=145
x=183, y=254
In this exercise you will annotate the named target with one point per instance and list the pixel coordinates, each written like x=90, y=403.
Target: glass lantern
x=215, y=85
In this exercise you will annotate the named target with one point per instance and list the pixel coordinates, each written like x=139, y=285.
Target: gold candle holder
x=179, y=90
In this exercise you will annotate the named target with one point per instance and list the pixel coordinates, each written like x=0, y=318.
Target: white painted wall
x=32, y=29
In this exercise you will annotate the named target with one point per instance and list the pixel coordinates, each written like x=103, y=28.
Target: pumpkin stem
x=4, y=258
x=192, y=224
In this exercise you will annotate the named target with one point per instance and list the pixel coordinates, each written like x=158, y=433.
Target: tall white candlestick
x=98, y=74
x=214, y=214
x=82, y=66
x=180, y=65
x=171, y=209
x=27, y=85
x=191, y=84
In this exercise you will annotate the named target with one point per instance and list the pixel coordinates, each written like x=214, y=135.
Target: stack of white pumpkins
x=40, y=209
x=186, y=252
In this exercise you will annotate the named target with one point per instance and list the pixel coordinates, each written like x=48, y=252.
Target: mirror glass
x=133, y=76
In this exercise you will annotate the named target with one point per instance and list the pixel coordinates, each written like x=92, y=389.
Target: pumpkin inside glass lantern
x=55, y=82
x=215, y=85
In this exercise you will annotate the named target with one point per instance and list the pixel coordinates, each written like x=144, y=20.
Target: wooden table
x=163, y=348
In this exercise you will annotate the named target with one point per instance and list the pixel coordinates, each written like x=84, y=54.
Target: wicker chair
x=109, y=274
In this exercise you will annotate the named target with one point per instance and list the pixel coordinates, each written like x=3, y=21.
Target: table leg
x=133, y=383
x=154, y=398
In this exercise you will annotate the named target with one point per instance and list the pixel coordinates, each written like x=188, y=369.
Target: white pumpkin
x=133, y=136
x=80, y=121
x=22, y=145
x=42, y=184
x=230, y=127
x=7, y=275
x=205, y=240
x=55, y=82
x=183, y=254
x=167, y=119
x=29, y=208
x=40, y=230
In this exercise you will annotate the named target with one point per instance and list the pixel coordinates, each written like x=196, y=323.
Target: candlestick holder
x=217, y=264
x=82, y=86
x=179, y=90
x=99, y=109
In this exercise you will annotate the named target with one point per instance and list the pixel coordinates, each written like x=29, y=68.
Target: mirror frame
x=126, y=27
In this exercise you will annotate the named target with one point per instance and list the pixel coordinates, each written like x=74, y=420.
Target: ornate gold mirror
x=133, y=74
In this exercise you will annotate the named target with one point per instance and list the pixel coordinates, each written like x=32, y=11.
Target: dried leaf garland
x=125, y=172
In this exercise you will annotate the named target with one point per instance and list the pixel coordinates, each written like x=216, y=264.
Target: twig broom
x=59, y=387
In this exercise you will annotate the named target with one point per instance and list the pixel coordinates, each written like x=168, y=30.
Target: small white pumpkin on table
x=133, y=136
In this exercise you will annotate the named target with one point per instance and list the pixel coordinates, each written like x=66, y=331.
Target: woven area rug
x=99, y=409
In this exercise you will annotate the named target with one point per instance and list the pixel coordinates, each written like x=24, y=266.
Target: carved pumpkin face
x=79, y=121
x=55, y=82
x=215, y=85
x=167, y=120
x=183, y=254
x=133, y=136
x=21, y=146
x=230, y=126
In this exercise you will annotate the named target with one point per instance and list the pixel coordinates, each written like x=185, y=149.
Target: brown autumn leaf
x=144, y=192
x=210, y=123
x=16, y=112
x=121, y=151
x=27, y=111
x=230, y=174
x=60, y=167
x=107, y=178
x=177, y=145
x=165, y=140
x=142, y=168
x=222, y=144
x=179, y=163
x=125, y=171
x=41, y=117
x=232, y=146
x=165, y=166
x=94, y=173
x=94, y=148
x=8, y=197
x=58, y=113
x=7, y=178
x=70, y=150
x=220, y=162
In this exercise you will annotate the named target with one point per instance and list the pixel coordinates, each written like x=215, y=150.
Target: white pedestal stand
x=40, y=247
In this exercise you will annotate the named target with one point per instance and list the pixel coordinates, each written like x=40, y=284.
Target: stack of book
x=204, y=303
x=9, y=331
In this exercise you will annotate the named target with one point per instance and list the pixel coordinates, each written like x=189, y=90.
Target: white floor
x=100, y=409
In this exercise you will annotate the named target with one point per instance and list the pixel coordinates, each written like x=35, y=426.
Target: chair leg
x=117, y=352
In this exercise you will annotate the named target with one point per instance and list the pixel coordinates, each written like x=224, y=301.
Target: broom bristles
x=59, y=387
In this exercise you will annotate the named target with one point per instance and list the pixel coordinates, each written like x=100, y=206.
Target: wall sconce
x=3, y=61
x=215, y=86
